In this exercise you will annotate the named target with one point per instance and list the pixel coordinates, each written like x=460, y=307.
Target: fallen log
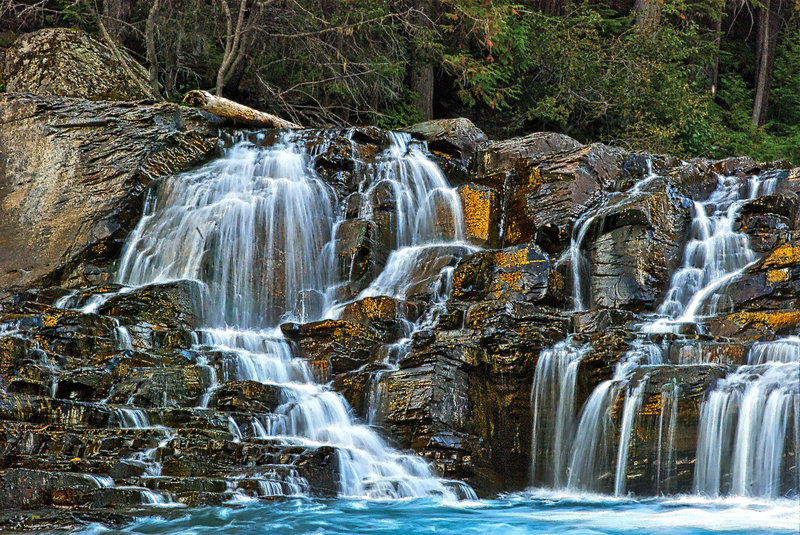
x=236, y=113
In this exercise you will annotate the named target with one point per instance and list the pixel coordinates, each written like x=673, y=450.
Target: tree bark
x=235, y=40
x=767, y=41
x=648, y=13
x=422, y=85
x=152, y=57
x=117, y=54
x=115, y=13
x=233, y=112
x=552, y=7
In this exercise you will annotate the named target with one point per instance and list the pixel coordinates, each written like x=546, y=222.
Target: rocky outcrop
x=73, y=175
x=455, y=387
x=455, y=143
x=70, y=63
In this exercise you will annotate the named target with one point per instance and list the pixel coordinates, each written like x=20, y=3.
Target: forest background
x=708, y=78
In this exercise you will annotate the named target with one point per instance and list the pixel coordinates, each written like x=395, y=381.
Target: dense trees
x=692, y=77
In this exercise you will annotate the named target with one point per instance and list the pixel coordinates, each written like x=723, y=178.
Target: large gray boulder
x=71, y=63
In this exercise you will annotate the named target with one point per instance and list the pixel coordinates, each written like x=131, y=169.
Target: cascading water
x=258, y=228
x=748, y=432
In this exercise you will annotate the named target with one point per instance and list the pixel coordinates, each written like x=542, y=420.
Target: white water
x=257, y=227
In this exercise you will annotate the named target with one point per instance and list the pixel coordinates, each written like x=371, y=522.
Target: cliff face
x=73, y=177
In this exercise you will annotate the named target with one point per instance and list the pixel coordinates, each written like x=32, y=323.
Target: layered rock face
x=478, y=326
x=73, y=176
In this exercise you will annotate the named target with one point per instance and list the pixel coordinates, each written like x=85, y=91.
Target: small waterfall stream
x=258, y=228
x=745, y=422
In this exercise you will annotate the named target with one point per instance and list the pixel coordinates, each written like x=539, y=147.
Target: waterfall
x=714, y=255
x=258, y=227
x=554, y=392
x=749, y=426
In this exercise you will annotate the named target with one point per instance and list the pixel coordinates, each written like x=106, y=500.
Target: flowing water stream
x=258, y=229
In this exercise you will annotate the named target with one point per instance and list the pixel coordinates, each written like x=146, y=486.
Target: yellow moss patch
x=513, y=280
x=775, y=276
x=785, y=255
x=774, y=320
x=479, y=207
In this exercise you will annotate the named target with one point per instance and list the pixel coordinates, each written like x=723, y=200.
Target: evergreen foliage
x=679, y=78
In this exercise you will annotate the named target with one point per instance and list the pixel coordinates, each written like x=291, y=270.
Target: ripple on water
x=525, y=513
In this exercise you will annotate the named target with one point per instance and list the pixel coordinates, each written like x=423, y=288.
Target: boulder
x=247, y=396
x=636, y=246
x=770, y=221
x=521, y=273
x=773, y=284
x=546, y=195
x=72, y=178
x=70, y=63
x=333, y=346
x=172, y=304
x=498, y=158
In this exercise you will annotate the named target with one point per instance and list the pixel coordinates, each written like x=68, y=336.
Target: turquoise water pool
x=515, y=514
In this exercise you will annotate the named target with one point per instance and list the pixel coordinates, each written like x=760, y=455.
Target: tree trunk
x=152, y=57
x=713, y=75
x=648, y=13
x=769, y=20
x=552, y=7
x=117, y=54
x=115, y=14
x=422, y=85
x=233, y=112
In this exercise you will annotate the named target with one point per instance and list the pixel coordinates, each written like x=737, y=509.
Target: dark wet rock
x=163, y=387
x=333, y=346
x=636, y=248
x=423, y=281
x=173, y=304
x=389, y=316
x=355, y=254
x=72, y=179
x=70, y=63
x=247, y=396
x=600, y=319
x=547, y=195
x=462, y=397
x=454, y=143
x=498, y=158
x=521, y=273
x=27, y=489
x=770, y=221
x=771, y=285
x=607, y=348
x=670, y=409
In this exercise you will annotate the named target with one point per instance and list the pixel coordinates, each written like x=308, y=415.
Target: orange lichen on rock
x=785, y=255
x=481, y=207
